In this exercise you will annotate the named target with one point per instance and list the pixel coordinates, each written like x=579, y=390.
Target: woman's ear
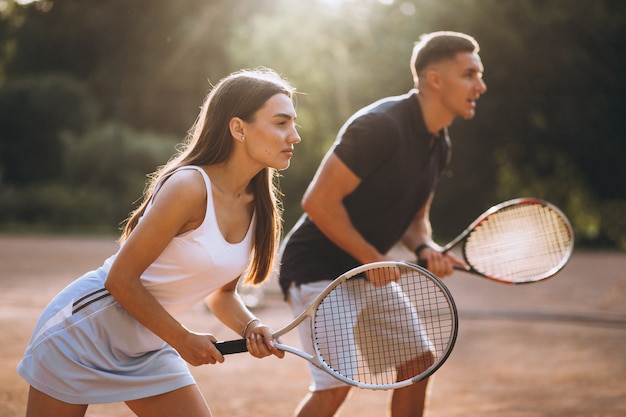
x=236, y=128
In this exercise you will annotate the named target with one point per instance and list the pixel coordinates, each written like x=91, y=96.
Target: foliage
x=104, y=173
x=57, y=208
x=549, y=126
x=33, y=113
x=114, y=157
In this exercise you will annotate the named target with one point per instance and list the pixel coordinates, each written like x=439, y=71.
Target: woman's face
x=271, y=136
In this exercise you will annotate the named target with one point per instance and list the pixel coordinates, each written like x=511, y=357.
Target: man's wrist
x=420, y=248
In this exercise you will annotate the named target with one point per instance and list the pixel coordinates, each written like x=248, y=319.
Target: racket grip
x=424, y=264
x=232, y=346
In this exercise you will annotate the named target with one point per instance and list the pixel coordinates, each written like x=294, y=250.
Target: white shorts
x=365, y=326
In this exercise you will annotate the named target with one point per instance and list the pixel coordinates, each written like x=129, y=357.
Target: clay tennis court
x=550, y=349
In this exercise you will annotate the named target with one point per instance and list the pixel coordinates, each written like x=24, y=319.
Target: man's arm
x=419, y=233
x=323, y=203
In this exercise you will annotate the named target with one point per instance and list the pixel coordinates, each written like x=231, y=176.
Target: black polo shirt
x=399, y=163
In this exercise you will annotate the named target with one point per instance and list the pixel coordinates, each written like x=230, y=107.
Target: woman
x=208, y=217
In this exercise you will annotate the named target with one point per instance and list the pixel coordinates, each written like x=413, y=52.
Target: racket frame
x=461, y=238
x=238, y=346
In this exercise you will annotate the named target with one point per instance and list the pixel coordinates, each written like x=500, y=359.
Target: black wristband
x=420, y=248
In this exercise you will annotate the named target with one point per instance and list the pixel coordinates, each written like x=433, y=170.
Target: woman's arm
x=179, y=206
x=230, y=309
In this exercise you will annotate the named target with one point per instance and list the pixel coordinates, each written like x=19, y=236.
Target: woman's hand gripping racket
x=377, y=336
x=516, y=242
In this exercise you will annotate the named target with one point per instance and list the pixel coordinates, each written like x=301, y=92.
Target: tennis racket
x=518, y=241
x=377, y=336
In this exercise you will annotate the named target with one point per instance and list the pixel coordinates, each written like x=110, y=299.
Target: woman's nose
x=295, y=138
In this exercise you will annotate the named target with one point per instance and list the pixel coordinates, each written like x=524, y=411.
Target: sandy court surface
x=550, y=349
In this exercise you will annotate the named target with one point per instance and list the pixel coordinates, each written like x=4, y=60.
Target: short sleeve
x=366, y=142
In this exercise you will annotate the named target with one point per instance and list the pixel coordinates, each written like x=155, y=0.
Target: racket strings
x=521, y=242
x=381, y=336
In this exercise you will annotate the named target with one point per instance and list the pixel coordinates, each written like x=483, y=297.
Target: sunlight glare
x=337, y=3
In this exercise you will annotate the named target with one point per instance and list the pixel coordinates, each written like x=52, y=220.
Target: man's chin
x=468, y=116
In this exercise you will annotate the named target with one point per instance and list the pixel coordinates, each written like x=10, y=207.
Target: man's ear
x=433, y=79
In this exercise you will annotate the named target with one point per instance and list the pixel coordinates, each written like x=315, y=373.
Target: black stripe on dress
x=77, y=304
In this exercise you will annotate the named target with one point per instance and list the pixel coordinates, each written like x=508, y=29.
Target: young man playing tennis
x=374, y=188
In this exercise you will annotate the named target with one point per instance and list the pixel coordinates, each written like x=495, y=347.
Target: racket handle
x=232, y=346
x=424, y=264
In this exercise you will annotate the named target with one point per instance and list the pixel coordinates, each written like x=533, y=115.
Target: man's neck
x=436, y=117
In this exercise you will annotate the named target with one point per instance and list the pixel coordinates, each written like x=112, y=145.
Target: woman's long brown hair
x=210, y=142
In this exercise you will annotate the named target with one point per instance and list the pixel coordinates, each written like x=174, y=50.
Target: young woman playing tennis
x=209, y=217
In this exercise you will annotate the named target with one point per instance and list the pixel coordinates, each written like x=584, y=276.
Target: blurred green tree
x=33, y=113
x=550, y=124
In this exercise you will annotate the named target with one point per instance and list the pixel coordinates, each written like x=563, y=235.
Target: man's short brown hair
x=439, y=46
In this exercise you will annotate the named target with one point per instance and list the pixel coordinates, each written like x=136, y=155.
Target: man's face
x=461, y=84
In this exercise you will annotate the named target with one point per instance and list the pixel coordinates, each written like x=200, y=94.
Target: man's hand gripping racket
x=377, y=336
x=518, y=241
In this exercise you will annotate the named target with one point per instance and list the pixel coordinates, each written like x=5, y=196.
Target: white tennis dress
x=86, y=349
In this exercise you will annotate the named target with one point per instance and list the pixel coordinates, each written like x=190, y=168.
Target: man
x=374, y=189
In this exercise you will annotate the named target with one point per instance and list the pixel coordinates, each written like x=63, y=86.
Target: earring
x=243, y=139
